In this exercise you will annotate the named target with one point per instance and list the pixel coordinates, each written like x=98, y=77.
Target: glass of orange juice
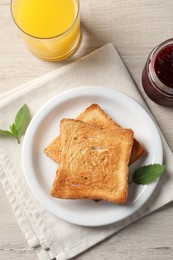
x=50, y=28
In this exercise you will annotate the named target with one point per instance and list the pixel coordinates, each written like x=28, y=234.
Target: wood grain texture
x=134, y=27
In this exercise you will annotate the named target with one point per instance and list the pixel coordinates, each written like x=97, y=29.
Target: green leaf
x=5, y=132
x=22, y=120
x=15, y=132
x=148, y=174
x=13, y=129
x=18, y=128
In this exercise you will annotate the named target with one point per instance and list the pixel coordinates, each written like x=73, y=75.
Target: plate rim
x=74, y=93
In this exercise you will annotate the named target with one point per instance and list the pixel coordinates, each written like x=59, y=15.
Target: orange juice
x=51, y=28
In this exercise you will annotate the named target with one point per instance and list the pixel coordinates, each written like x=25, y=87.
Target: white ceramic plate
x=40, y=171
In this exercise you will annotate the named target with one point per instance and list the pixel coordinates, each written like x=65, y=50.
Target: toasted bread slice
x=93, y=162
x=95, y=116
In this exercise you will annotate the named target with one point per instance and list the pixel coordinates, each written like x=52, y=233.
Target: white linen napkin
x=50, y=236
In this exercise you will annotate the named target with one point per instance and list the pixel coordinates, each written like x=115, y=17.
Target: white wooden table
x=134, y=27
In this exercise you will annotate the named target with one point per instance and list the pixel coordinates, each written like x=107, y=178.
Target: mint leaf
x=13, y=129
x=14, y=132
x=5, y=132
x=22, y=120
x=18, y=128
x=148, y=174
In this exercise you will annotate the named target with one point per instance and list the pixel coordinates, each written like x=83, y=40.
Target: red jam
x=164, y=66
x=157, y=77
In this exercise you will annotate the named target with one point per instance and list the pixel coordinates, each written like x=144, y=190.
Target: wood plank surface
x=134, y=27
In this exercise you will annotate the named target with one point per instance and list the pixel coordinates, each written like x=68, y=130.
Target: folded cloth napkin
x=50, y=236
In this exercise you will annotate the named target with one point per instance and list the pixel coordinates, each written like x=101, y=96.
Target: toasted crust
x=137, y=151
x=95, y=116
x=53, y=149
x=94, y=162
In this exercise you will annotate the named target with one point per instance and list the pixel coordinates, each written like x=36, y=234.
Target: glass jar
x=157, y=76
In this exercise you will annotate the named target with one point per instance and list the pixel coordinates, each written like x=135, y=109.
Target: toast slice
x=93, y=162
x=95, y=116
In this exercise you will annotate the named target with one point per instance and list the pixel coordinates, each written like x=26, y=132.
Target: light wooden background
x=134, y=27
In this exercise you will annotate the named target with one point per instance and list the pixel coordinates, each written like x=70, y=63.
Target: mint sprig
x=147, y=174
x=18, y=128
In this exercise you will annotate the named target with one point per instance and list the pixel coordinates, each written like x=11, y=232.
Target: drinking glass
x=50, y=28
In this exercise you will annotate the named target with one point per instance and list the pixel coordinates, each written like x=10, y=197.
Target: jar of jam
x=157, y=76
